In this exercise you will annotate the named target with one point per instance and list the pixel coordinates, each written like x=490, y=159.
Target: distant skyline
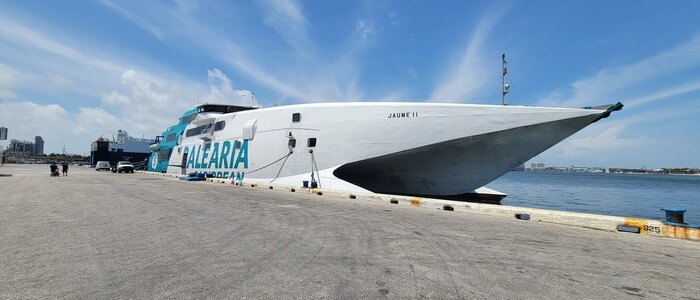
x=72, y=71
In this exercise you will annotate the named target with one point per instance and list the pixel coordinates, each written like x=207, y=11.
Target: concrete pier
x=104, y=235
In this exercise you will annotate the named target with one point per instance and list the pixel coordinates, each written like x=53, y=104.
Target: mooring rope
x=272, y=163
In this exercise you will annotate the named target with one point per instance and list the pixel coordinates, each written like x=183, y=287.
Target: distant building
x=20, y=148
x=38, y=145
x=537, y=166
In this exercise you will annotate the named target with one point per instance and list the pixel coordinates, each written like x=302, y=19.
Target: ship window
x=237, y=144
x=292, y=143
x=296, y=117
x=193, y=131
x=219, y=125
x=311, y=142
x=223, y=108
x=198, y=130
x=171, y=137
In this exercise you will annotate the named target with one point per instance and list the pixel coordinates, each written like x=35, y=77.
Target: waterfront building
x=38, y=145
x=21, y=148
x=537, y=166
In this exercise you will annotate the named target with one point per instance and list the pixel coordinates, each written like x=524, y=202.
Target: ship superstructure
x=163, y=145
x=121, y=147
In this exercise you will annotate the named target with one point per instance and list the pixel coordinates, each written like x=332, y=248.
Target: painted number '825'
x=655, y=229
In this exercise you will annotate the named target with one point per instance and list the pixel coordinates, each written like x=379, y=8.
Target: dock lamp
x=3, y=136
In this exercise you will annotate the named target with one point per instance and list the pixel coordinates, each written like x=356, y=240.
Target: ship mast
x=504, y=85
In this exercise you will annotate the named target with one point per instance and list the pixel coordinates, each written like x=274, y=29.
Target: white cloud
x=57, y=126
x=221, y=90
x=666, y=93
x=286, y=17
x=141, y=22
x=19, y=33
x=141, y=104
x=394, y=96
x=472, y=72
x=631, y=138
x=610, y=82
x=364, y=30
x=393, y=18
x=60, y=82
x=628, y=141
x=91, y=119
x=303, y=76
x=114, y=98
x=9, y=78
x=154, y=103
x=598, y=141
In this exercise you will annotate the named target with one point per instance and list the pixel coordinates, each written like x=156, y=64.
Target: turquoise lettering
x=192, y=157
x=205, y=155
x=225, y=148
x=233, y=154
x=196, y=161
x=214, y=160
x=242, y=155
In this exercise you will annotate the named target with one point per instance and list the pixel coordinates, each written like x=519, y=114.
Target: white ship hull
x=436, y=150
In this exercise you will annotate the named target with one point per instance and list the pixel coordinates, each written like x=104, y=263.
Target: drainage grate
x=448, y=207
x=522, y=217
x=630, y=229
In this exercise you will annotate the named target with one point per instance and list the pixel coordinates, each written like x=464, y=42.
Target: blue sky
x=71, y=71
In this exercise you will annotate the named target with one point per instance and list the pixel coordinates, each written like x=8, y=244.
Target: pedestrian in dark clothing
x=65, y=168
x=54, y=170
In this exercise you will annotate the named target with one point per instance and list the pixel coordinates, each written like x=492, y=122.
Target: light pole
x=3, y=136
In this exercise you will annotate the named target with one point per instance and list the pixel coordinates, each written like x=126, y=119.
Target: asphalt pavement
x=103, y=235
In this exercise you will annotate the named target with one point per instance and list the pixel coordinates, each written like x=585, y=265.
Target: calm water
x=628, y=195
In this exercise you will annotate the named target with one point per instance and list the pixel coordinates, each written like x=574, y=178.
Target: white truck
x=124, y=166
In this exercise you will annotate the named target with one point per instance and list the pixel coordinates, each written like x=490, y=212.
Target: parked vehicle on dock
x=102, y=165
x=124, y=166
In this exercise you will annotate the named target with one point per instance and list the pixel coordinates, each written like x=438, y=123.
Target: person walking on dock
x=54, y=169
x=64, y=166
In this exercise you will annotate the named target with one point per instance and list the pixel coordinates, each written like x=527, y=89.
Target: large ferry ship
x=447, y=151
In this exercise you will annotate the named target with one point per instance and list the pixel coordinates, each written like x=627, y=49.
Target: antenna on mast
x=504, y=85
